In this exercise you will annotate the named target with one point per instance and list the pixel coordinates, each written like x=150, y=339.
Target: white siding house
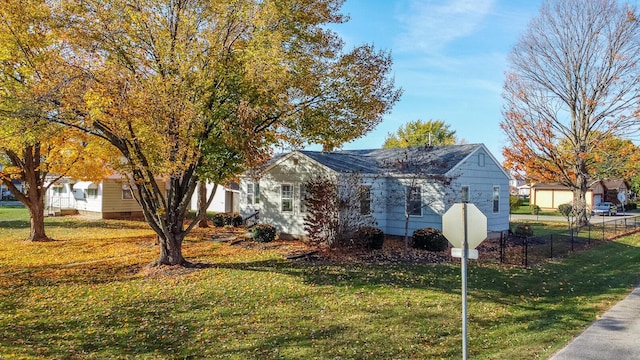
x=226, y=199
x=107, y=199
x=469, y=171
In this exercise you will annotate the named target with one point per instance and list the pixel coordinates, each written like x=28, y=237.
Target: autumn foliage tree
x=194, y=90
x=32, y=78
x=572, y=83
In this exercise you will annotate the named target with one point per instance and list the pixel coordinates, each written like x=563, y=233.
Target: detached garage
x=550, y=196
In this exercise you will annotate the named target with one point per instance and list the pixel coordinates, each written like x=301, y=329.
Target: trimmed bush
x=219, y=219
x=263, y=233
x=524, y=230
x=370, y=237
x=565, y=209
x=535, y=209
x=235, y=220
x=227, y=219
x=429, y=239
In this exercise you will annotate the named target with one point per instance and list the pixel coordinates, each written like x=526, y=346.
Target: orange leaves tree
x=192, y=90
x=33, y=79
x=572, y=83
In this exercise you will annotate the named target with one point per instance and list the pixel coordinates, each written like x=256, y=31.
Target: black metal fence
x=531, y=250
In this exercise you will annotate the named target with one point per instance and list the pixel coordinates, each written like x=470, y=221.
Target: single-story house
x=394, y=181
x=523, y=190
x=548, y=196
x=112, y=198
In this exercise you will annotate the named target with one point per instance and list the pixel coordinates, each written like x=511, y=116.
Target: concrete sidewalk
x=615, y=336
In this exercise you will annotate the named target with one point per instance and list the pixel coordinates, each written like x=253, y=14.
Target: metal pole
x=465, y=255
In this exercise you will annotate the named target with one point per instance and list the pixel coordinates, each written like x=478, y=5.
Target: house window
x=414, y=200
x=496, y=199
x=126, y=193
x=286, y=197
x=365, y=200
x=481, y=159
x=464, y=193
x=91, y=193
x=253, y=193
x=303, y=198
x=58, y=190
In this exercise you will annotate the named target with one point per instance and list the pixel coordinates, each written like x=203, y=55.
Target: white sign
x=622, y=197
x=454, y=225
x=471, y=253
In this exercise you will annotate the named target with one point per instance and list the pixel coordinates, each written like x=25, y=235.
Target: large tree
x=419, y=132
x=192, y=90
x=572, y=82
x=33, y=77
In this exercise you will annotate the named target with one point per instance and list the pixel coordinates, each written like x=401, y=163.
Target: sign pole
x=465, y=255
x=464, y=235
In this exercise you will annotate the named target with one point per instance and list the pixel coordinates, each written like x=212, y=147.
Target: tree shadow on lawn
x=188, y=328
x=583, y=275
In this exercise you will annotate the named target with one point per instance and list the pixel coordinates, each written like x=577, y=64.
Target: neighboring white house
x=524, y=190
x=226, y=199
x=386, y=176
x=110, y=198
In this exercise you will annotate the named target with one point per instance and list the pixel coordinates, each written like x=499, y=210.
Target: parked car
x=605, y=208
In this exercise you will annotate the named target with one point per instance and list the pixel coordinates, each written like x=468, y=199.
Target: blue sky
x=449, y=57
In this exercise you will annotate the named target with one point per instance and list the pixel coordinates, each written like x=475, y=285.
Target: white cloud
x=429, y=26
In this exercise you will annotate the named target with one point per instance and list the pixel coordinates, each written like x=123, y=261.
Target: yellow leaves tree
x=420, y=133
x=32, y=82
x=193, y=90
x=572, y=83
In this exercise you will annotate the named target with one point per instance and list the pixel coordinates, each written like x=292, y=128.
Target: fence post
x=503, y=244
x=526, y=251
x=572, y=244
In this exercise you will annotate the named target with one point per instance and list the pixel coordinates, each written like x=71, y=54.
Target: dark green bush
x=219, y=219
x=235, y=220
x=524, y=230
x=370, y=237
x=429, y=239
x=263, y=233
x=227, y=219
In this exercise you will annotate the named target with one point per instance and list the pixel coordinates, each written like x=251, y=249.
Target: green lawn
x=87, y=295
x=13, y=214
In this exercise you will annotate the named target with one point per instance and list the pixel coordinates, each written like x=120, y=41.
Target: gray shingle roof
x=433, y=160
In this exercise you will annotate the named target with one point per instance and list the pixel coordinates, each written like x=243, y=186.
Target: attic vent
x=481, y=159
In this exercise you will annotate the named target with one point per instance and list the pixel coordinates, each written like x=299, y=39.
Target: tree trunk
x=202, y=204
x=579, y=197
x=36, y=213
x=171, y=250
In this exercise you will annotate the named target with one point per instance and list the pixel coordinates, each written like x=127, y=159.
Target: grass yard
x=88, y=295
